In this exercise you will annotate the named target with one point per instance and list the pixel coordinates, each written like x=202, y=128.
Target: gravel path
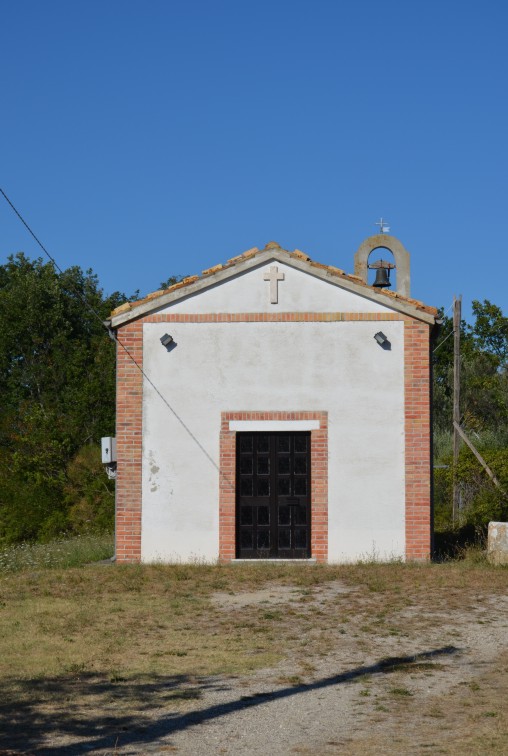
x=348, y=704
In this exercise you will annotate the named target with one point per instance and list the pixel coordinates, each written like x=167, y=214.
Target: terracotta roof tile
x=318, y=265
x=175, y=286
x=250, y=252
x=214, y=269
x=155, y=294
x=301, y=255
x=122, y=308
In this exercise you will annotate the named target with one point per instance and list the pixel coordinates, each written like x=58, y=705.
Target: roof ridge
x=296, y=254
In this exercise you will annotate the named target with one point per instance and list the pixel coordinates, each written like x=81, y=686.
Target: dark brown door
x=273, y=495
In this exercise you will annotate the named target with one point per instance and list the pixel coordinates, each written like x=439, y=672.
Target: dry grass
x=124, y=641
x=471, y=717
x=135, y=620
x=62, y=552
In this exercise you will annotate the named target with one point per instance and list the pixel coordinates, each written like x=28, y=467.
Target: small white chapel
x=275, y=408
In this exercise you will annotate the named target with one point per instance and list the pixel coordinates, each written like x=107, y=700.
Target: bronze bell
x=382, y=278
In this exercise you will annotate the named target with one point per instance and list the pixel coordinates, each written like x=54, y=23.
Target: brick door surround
x=319, y=479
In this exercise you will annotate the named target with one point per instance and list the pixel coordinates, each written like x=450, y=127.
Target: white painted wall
x=299, y=292
x=337, y=367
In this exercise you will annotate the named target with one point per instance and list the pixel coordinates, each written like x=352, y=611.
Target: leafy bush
x=481, y=500
x=89, y=494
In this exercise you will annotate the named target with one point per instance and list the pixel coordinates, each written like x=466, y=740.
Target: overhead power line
x=110, y=331
x=41, y=245
x=443, y=341
x=450, y=334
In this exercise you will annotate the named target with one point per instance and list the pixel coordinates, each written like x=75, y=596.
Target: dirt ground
x=369, y=668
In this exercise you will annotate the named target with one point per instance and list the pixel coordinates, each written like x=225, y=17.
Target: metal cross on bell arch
x=382, y=268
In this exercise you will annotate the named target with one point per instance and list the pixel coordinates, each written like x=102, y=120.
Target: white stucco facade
x=335, y=367
x=248, y=292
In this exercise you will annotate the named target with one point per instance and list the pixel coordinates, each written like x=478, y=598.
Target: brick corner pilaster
x=129, y=409
x=417, y=435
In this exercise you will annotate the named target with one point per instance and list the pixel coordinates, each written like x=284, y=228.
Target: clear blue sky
x=146, y=139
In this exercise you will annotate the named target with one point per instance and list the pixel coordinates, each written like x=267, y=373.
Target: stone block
x=497, y=545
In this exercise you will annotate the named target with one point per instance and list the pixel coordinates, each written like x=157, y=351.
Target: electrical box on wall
x=108, y=450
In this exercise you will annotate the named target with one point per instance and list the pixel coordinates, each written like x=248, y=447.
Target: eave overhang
x=254, y=259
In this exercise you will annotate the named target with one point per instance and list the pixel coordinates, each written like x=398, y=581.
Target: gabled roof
x=255, y=257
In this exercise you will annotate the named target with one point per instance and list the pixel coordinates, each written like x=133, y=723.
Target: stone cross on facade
x=274, y=276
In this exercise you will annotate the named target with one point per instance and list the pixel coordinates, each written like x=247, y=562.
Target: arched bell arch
x=399, y=252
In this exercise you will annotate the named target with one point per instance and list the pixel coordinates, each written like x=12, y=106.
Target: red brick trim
x=272, y=317
x=417, y=432
x=319, y=480
x=129, y=408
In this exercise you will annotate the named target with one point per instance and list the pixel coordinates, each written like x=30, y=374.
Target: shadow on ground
x=88, y=713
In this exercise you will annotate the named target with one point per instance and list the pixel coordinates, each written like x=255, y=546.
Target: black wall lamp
x=382, y=340
x=167, y=341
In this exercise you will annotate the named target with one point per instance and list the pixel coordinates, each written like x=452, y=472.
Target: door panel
x=273, y=495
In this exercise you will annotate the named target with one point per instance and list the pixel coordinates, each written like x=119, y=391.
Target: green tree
x=484, y=415
x=484, y=355
x=57, y=381
x=490, y=331
x=442, y=359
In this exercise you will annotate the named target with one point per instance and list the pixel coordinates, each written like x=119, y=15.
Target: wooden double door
x=273, y=495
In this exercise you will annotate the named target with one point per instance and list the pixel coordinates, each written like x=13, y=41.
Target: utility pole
x=457, y=316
